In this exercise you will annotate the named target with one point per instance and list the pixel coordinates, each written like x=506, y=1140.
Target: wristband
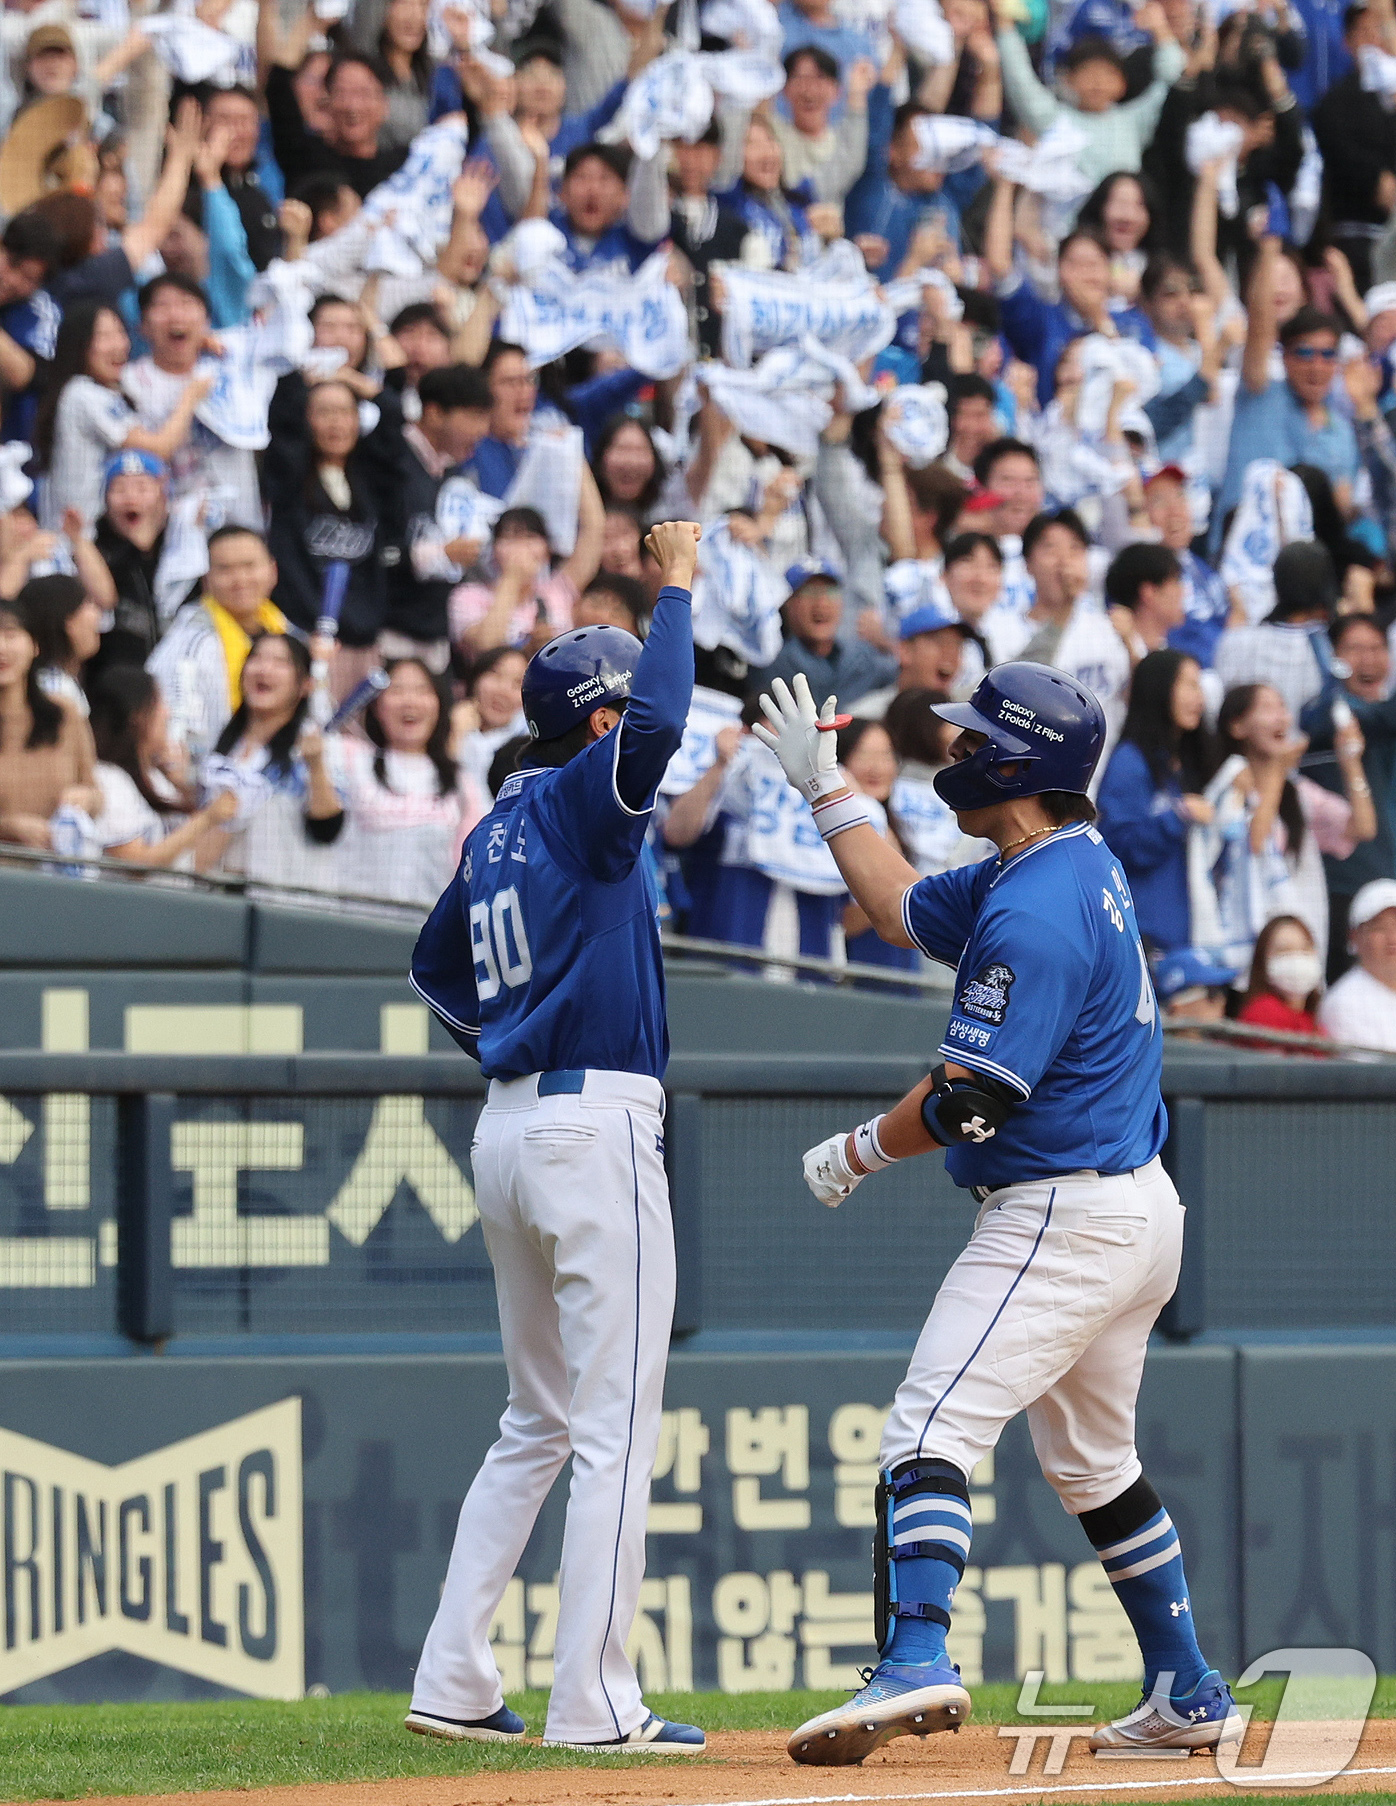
x=834, y=816
x=867, y=1147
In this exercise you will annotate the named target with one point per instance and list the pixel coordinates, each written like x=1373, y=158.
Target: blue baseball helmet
x=574, y=674
x=1043, y=731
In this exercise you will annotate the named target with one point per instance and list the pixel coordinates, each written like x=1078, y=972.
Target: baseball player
x=542, y=960
x=1048, y=1108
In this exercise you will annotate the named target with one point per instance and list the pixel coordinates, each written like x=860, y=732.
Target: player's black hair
x=1235, y=705
x=566, y=746
x=1134, y=566
x=455, y=386
x=1063, y=517
x=1001, y=448
x=1149, y=725
x=513, y=756
x=1065, y=806
x=438, y=741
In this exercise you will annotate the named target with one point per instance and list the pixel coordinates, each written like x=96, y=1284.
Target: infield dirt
x=751, y=1768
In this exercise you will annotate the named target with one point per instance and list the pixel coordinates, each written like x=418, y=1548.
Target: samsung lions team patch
x=986, y=997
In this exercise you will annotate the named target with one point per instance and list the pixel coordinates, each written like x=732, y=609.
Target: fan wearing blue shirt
x=1048, y=1109
x=542, y=960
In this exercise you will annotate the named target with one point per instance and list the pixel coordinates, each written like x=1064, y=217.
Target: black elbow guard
x=970, y=1109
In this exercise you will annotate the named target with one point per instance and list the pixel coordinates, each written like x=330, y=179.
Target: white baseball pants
x=1047, y=1310
x=574, y=1204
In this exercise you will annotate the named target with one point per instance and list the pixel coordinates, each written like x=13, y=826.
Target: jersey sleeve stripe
x=977, y=1063
x=465, y=1028
x=615, y=777
x=912, y=935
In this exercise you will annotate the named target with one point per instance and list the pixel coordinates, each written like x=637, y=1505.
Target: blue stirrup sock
x=927, y=1528
x=1138, y=1548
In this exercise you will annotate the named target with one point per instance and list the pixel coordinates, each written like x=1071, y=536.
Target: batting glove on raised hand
x=828, y=1173
x=801, y=737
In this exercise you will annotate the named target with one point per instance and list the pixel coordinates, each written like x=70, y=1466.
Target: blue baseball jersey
x=1053, y=998
x=543, y=952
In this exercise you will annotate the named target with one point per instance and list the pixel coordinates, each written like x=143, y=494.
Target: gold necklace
x=1036, y=834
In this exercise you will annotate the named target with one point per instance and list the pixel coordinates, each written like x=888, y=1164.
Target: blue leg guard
x=923, y=1538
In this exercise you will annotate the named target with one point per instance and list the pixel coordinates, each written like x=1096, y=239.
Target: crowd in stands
x=348, y=351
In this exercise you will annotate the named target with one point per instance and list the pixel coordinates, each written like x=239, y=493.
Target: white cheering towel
x=781, y=402
x=834, y=298
x=737, y=597
x=1104, y=362
x=192, y=51
x=1378, y=69
x=1049, y=167
x=669, y=99
x=641, y=316
x=923, y=28
x=550, y=479
x=411, y=211
x=15, y=487
x=1273, y=511
x=857, y=396
x=1212, y=139
x=914, y=418
x=948, y=144
x=745, y=24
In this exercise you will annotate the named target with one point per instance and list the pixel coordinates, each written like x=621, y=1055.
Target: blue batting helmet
x=1043, y=731
x=574, y=674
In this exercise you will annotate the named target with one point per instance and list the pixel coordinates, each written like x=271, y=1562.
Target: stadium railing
x=248, y=1196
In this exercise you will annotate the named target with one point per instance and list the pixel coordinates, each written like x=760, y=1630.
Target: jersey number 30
x=499, y=944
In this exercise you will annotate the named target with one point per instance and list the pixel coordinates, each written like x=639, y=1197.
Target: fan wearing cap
x=1361, y=1007
x=1047, y=1106
x=1206, y=608
x=1192, y=987
x=132, y=534
x=812, y=616
x=1288, y=649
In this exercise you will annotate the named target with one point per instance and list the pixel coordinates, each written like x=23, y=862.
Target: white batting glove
x=828, y=1173
x=808, y=756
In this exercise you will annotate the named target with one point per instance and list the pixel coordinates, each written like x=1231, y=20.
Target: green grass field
x=66, y=1752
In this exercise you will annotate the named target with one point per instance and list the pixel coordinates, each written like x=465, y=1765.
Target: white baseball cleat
x=1199, y=1721
x=899, y=1700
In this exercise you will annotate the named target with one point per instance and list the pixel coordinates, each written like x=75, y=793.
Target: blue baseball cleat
x=655, y=1737
x=502, y=1726
x=899, y=1700
x=1199, y=1720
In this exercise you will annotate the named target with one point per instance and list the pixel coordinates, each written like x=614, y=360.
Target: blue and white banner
x=709, y=712
x=1274, y=509
x=411, y=211
x=834, y=298
x=553, y=310
x=778, y=836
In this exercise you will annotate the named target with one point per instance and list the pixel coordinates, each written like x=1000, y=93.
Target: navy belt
x=561, y=1084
